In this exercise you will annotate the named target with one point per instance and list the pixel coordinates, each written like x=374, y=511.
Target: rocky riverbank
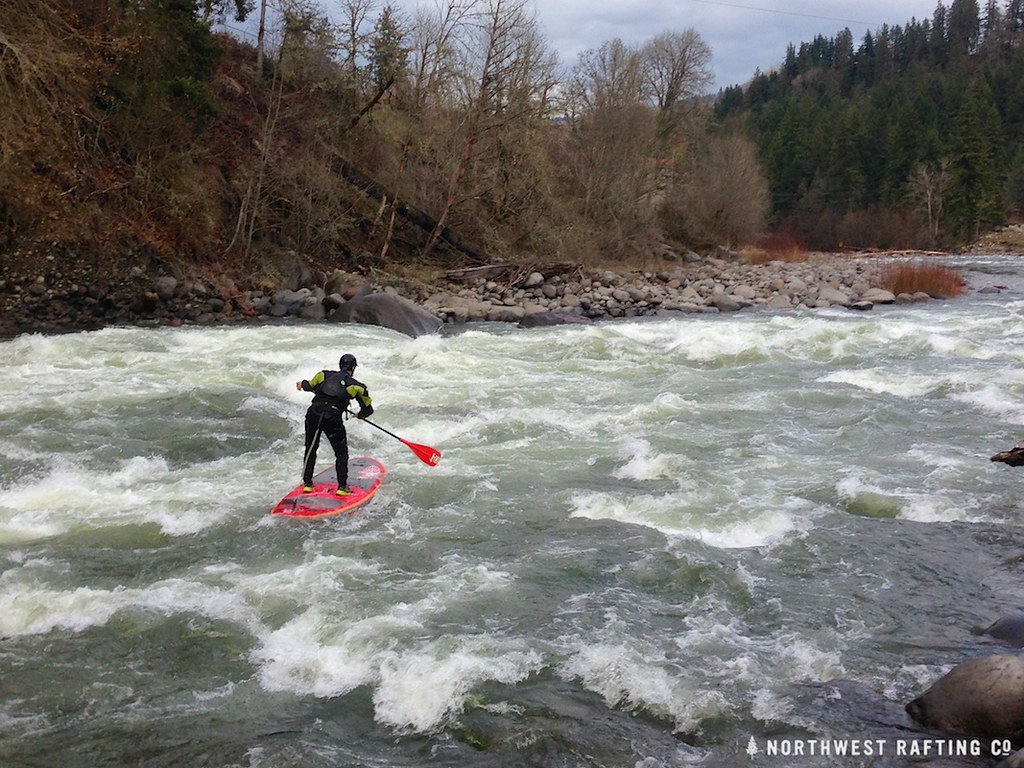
x=719, y=282
x=713, y=285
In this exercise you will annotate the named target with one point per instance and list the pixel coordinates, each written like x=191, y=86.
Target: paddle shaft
x=425, y=453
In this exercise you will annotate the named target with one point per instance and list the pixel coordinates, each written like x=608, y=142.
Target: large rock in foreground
x=388, y=311
x=981, y=698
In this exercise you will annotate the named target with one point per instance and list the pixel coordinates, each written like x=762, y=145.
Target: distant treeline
x=923, y=121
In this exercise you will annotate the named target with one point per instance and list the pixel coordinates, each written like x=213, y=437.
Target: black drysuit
x=332, y=393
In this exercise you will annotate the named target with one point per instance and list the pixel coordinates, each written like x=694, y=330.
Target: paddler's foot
x=343, y=490
x=307, y=489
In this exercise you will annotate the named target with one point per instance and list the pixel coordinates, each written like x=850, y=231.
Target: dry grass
x=937, y=280
x=778, y=246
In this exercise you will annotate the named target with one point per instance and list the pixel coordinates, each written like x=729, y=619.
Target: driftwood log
x=513, y=274
x=1014, y=457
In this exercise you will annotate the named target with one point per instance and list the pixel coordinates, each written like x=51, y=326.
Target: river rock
x=288, y=302
x=545, y=319
x=1016, y=760
x=725, y=303
x=980, y=698
x=878, y=296
x=388, y=311
x=506, y=314
x=833, y=296
x=1009, y=629
x=164, y=287
x=312, y=311
x=347, y=285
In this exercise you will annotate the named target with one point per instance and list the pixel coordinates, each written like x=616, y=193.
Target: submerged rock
x=869, y=504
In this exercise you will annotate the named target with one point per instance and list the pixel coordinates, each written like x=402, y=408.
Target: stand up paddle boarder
x=332, y=393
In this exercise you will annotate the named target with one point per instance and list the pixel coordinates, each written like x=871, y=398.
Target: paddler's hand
x=298, y=385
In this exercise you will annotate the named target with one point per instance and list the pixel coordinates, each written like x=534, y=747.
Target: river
x=648, y=543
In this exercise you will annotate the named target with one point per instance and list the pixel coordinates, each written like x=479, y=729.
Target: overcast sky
x=743, y=35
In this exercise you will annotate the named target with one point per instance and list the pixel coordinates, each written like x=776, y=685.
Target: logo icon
x=752, y=747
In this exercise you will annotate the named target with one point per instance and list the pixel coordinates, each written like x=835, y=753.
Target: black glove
x=364, y=411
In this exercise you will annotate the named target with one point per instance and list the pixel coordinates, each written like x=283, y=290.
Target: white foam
x=642, y=463
x=141, y=490
x=417, y=683
x=994, y=399
x=885, y=382
x=687, y=515
x=419, y=689
x=28, y=609
x=626, y=676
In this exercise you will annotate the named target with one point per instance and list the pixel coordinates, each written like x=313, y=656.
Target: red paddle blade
x=425, y=453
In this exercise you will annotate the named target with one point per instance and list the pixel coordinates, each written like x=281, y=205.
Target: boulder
x=1009, y=629
x=545, y=319
x=297, y=274
x=387, y=311
x=506, y=314
x=878, y=296
x=833, y=296
x=165, y=287
x=314, y=311
x=980, y=698
x=347, y=285
x=286, y=302
x=725, y=303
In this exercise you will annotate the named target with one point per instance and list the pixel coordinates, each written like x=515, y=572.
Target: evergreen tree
x=964, y=31
x=975, y=199
x=938, y=39
x=843, y=131
x=388, y=55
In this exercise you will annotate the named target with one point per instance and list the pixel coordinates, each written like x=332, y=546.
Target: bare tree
x=607, y=78
x=929, y=183
x=261, y=37
x=432, y=51
x=614, y=129
x=677, y=72
x=723, y=198
x=507, y=76
x=355, y=35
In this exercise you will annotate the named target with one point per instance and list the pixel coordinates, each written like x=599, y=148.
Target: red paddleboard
x=364, y=478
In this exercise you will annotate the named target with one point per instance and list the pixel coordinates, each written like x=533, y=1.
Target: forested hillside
x=132, y=133
x=133, y=136
x=912, y=135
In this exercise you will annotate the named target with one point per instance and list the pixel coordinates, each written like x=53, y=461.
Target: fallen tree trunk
x=417, y=217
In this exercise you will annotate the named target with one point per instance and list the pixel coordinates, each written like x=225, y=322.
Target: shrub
x=937, y=280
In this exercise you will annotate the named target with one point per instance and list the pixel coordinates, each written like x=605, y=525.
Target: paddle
x=425, y=453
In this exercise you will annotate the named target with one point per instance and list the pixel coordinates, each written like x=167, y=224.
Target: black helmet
x=347, y=363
